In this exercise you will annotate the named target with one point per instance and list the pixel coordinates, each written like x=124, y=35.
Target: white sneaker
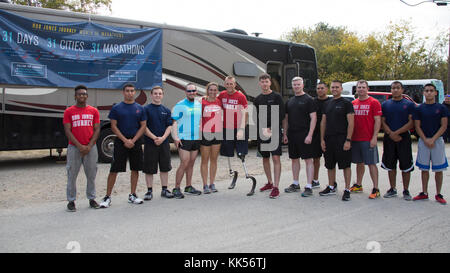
x=106, y=202
x=134, y=199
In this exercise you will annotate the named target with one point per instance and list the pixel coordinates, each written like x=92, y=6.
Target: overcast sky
x=276, y=17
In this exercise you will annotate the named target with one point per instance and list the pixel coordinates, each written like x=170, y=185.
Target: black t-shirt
x=448, y=118
x=336, y=111
x=320, y=105
x=269, y=100
x=298, y=109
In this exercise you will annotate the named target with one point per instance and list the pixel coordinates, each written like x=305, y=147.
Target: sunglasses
x=191, y=91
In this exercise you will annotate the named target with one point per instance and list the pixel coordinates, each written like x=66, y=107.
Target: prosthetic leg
x=234, y=174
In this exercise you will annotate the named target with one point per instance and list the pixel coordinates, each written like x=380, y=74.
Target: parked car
x=383, y=96
x=347, y=97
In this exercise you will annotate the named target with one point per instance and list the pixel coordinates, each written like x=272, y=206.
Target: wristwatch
x=348, y=139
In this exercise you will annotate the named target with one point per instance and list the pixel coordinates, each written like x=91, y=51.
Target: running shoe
x=148, y=196
x=106, y=202
x=315, y=184
x=308, y=192
x=440, y=199
x=406, y=195
x=71, y=207
x=166, y=193
x=334, y=187
x=292, y=188
x=390, y=193
x=266, y=187
x=328, y=191
x=177, y=193
x=206, y=189
x=421, y=196
x=212, y=187
x=375, y=194
x=274, y=193
x=356, y=188
x=133, y=199
x=93, y=204
x=192, y=190
x=346, y=196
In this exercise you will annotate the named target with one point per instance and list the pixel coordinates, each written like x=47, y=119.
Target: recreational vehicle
x=35, y=39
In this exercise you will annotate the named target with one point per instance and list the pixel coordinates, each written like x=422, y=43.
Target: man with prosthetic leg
x=235, y=135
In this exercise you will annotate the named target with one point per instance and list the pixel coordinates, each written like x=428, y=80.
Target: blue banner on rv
x=44, y=53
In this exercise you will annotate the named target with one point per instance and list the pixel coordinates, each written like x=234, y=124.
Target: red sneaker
x=275, y=193
x=421, y=196
x=440, y=199
x=266, y=187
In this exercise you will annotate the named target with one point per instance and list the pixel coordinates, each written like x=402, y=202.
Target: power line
x=439, y=3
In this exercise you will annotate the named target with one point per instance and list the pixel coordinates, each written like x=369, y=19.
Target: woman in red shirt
x=211, y=136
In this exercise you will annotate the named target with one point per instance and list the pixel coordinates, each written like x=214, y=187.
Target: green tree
x=396, y=53
x=347, y=58
x=86, y=6
x=320, y=37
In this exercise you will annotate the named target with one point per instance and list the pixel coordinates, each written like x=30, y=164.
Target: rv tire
x=105, y=145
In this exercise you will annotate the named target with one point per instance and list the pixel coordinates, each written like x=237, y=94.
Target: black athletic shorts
x=190, y=145
x=397, y=151
x=267, y=143
x=297, y=147
x=335, y=153
x=229, y=145
x=209, y=139
x=155, y=156
x=317, y=148
x=122, y=154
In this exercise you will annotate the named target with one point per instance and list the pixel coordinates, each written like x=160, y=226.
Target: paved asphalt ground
x=229, y=221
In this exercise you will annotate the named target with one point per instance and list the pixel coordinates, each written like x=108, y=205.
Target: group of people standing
x=343, y=132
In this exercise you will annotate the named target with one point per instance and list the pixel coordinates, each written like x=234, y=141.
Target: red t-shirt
x=212, y=116
x=232, y=106
x=365, y=111
x=82, y=120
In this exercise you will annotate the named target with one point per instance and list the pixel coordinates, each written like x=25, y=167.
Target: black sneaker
x=307, y=192
x=390, y=193
x=166, y=194
x=71, y=207
x=148, y=196
x=177, y=193
x=346, y=196
x=292, y=188
x=93, y=204
x=328, y=191
x=192, y=190
x=334, y=187
x=407, y=195
x=315, y=184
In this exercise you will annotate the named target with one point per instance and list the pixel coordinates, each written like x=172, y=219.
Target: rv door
x=290, y=71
